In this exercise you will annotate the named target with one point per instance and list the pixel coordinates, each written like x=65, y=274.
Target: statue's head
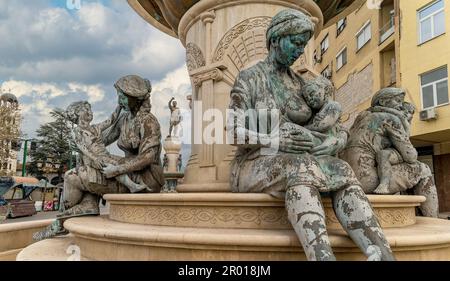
x=174, y=103
x=79, y=111
x=133, y=92
x=317, y=92
x=389, y=97
x=288, y=34
x=409, y=109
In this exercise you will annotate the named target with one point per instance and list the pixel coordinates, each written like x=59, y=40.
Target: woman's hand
x=295, y=143
x=97, y=164
x=330, y=146
x=110, y=171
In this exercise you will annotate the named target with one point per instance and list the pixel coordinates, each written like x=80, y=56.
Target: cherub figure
x=89, y=141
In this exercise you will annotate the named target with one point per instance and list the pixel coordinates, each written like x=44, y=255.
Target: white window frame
x=419, y=21
x=327, y=68
x=362, y=30
x=340, y=54
x=327, y=40
x=434, y=84
x=338, y=26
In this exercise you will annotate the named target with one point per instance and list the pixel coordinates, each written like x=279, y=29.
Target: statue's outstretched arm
x=110, y=121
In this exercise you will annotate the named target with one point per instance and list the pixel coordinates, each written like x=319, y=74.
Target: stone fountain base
x=226, y=226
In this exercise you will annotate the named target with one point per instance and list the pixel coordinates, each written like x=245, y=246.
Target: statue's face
x=315, y=96
x=85, y=114
x=393, y=102
x=291, y=47
x=174, y=103
x=123, y=101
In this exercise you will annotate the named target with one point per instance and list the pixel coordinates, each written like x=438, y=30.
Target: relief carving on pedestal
x=244, y=43
x=194, y=57
x=206, y=216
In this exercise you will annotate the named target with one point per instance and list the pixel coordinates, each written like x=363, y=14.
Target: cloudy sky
x=51, y=55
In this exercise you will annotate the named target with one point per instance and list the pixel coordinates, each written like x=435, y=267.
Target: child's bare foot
x=137, y=188
x=383, y=188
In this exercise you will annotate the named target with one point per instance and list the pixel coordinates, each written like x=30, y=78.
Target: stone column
x=172, y=147
x=221, y=39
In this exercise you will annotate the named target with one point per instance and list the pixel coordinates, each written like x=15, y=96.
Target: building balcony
x=387, y=30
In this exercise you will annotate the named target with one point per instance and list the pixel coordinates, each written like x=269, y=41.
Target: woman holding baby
x=309, y=138
x=138, y=135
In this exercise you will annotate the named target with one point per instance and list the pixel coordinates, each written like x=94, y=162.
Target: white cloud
x=94, y=92
x=52, y=57
x=23, y=88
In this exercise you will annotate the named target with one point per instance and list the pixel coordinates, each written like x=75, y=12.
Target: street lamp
x=25, y=152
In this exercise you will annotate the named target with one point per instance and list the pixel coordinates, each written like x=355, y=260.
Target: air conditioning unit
x=428, y=114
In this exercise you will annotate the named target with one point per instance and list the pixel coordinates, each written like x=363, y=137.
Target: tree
x=54, y=147
x=9, y=134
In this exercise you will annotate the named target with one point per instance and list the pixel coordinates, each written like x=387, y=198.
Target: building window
x=364, y=35
x=431, y=21
x=434, y=88
x=324, y=45
x=327, y=73
x=341, y=59
x=340, y=26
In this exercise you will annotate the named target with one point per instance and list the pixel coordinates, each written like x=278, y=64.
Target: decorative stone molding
x=215, y=72
x=194, y=57
x=244, y=43
x=222, y=217
x=235, y=210
x=208, y=17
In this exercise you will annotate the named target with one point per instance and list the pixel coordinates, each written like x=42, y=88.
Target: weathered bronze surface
x=305, y=164
x=381, y=153
x=138, y=135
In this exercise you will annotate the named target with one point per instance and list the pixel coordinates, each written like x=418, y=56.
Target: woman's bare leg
x=307, y=216
x=356, y=216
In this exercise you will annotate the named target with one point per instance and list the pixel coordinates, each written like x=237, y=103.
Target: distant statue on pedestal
x=175, y=118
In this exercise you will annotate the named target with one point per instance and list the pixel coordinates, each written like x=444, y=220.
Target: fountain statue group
x=316, y=156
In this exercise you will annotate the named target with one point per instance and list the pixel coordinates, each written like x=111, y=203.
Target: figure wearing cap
x=138, y=135
x=381, y=153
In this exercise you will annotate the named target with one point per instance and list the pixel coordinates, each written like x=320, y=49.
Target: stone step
x=57, y=249
x=240, y=210
x=102, y=239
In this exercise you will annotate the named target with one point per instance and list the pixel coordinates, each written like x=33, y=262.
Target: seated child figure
x=326, y=112
x=89, y=141
x=390, y=156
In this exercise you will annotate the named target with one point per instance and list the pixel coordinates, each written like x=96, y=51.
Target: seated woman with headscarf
x=294, y=172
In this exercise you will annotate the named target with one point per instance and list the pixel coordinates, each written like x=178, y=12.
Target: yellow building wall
x=357, y=60
x=417, y=59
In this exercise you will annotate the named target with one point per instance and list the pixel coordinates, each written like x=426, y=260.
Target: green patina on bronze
x=170, y=12
x=304, y=164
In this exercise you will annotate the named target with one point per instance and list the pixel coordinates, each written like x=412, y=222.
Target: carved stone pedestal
x=228, y=226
